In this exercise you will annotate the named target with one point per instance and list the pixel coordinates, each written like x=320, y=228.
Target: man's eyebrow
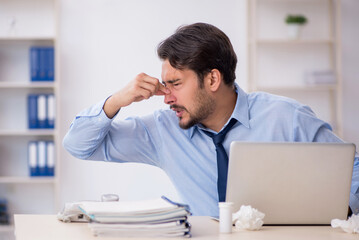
x=170, y=81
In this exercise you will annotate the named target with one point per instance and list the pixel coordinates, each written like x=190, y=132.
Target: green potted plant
x=295, y=23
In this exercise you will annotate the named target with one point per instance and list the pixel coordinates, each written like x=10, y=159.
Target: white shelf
x=25, y=24
x=7, y=228
x=279, y=64
x=292, y=1
x=294, y=41
x=26, y=38
x=29, y=132
x=27, y=180
x=329, y=87
x=29, y=85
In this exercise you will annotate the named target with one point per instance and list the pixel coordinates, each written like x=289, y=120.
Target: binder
x=41, y=158
x=34, y=64
x=32, y=158
x=50, y=117
x=32, y=111
x=50, y=64
x=4, y=216
x=41, y=146
x=50, y=158
x=42, y=64
x=41, y=111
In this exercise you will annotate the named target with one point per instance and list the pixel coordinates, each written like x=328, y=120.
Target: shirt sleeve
x=307, y=127
x=93, y=136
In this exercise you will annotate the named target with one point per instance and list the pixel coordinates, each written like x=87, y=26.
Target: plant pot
x=294, y=30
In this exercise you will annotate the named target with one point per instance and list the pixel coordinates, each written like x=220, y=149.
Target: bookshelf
x=26, y=85
x=279, y=64
x=24, y=24
x=6, y=232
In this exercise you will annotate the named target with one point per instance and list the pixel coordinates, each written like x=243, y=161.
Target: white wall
x=103, y=45
x=350, y=65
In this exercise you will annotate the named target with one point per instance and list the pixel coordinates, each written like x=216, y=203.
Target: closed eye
x=172, y=83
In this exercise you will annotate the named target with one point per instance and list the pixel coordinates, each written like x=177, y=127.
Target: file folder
x=41, y=158
x=42, y=64
x=32, y=111
x=34, y=64
x=50, y=158
x=41, y=146
x=41, y=111
x=32, y=158
x=50, y=117
x=50, y=64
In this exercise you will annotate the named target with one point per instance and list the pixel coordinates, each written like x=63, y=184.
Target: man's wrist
x=111, y=107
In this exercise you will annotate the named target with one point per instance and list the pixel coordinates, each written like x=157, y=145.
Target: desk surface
x=45, y=227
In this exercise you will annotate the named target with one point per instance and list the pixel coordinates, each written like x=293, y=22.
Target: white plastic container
x=109, y=198
x=225, y=217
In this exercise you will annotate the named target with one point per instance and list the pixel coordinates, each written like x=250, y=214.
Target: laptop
x=291, y=183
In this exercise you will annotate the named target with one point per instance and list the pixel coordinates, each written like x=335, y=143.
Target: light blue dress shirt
x=189, y=156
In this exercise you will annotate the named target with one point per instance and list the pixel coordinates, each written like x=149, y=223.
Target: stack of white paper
x=150, y=218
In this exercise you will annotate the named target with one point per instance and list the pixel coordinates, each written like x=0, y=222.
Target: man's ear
x=214, y=79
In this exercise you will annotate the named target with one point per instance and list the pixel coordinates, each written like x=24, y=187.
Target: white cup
x=225, y=217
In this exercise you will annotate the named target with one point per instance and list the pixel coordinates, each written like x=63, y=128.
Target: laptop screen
x=292, y=183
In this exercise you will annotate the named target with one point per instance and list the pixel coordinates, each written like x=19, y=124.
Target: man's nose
x=169, y=98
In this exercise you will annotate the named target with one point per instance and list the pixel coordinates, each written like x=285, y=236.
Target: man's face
x=191, y=103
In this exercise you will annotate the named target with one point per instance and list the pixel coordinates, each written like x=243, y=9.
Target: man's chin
x=186, y=124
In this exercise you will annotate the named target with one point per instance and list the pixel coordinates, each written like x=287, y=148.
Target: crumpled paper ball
x=72, y=213
x=248, y=218
x=350, y=226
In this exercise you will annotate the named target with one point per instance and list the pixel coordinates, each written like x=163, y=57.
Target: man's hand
x=140, y=88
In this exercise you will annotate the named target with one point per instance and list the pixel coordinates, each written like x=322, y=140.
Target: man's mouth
x=179, y=113
x=179, y=110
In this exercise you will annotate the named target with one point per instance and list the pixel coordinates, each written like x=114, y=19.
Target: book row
x=41, y=111
x=42, y=64
x=41, y=158
x=4, y=216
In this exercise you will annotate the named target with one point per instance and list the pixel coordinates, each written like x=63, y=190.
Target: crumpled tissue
x=350, y=226
x=72, y=213
x=248, y=218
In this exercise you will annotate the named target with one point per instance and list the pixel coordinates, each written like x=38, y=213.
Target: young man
x=208, y=111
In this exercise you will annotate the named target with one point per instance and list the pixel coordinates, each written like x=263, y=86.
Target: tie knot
x=219, y=138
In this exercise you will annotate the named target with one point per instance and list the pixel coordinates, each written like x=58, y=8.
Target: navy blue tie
x=222, y=159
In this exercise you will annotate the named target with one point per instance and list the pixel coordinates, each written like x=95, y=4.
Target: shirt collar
x=240, y=112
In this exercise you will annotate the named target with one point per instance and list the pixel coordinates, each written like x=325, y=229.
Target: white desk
x=46, y=227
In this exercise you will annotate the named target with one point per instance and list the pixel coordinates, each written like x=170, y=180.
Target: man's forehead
x=170, y=73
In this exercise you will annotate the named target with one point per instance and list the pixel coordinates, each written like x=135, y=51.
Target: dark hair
x=200, y=47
